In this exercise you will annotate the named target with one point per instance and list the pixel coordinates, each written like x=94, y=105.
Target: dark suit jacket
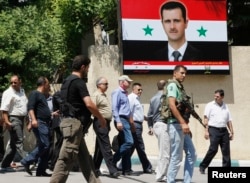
x=191, y=54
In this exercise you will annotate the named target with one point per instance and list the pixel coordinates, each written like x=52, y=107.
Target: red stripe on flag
x=197, y=9
x=129, y=62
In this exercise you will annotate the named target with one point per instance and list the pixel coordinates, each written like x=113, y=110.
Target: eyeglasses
x=140, y=90
x=13, y=82
x=104, y=84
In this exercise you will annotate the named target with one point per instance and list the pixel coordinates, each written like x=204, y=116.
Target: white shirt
x=182, y=50
x=136, y=107
x=14, y=102
x=218, y=116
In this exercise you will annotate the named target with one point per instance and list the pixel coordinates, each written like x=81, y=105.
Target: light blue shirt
x=136, y=107
x=120, y=104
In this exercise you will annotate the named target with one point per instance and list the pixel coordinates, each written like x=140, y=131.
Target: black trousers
x=218, y=137
x=103, y=147
x=140, y=147
x=2, y=149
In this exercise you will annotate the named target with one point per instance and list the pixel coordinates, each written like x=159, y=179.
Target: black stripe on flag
x=146, y=50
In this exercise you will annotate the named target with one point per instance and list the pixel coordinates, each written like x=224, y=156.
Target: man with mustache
x=174, y=21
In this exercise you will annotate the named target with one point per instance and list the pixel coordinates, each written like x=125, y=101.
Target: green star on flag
x=202, y=31
x=148, y=30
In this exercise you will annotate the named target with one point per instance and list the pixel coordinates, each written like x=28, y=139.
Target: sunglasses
x=13, y=82
x=104, y=84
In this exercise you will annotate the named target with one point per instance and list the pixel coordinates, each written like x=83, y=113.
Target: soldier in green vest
x=178, y=129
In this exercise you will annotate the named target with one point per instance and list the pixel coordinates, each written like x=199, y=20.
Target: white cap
x=124, y=77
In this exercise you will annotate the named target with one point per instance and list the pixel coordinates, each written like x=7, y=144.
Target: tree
x=39, y=37
x=239, y=22
x=31, y=44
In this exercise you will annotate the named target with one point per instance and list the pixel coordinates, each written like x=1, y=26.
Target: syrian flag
x=143, y=34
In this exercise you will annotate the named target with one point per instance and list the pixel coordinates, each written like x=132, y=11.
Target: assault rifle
x=190, y=107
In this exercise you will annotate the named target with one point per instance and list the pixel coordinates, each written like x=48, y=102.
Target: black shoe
x=114, y=175
x=44, y=174
x=202, y=170
x=98, y=173
x=131, y=172
x=26, y=168
x=149, y=171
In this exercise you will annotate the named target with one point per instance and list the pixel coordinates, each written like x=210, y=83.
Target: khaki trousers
x=73, y=149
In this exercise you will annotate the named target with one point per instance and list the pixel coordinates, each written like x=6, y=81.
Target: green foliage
x=239, y=22
x=31, y=45
x=38, y=37
x=79, y=16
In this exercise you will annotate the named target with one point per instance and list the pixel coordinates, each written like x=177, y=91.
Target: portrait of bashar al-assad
x=174, y=22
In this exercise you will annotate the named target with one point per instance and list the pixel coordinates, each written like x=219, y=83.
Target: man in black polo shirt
x=40, y=117
x=76, y=108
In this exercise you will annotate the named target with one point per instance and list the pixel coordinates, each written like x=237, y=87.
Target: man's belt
x=139, y=122
x=15, y=116
x=218, y=128
x=123, y=116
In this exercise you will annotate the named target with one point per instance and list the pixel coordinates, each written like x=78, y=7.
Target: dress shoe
x=114, y=175
x=131, y=172
x=202, y=170
x=44, y=174
x=149, y=171
x=26, y=167
x=98, y=173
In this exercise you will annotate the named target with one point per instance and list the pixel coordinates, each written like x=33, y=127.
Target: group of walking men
x=173, y=134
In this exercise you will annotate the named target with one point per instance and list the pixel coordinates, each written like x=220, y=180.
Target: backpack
x=164, y=107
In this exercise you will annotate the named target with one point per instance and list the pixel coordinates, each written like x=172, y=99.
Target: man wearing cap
x=123, y=121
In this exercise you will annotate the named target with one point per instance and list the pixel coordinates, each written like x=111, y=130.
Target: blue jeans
x=178, y=143
x=176, y=137
x=190, y=159
x=127, y=142
x=40, y=153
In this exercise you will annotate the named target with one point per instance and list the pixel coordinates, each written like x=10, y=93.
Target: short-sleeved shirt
x=77, y=91
x=103, y=104
x=14, y=102
x=38, y=103
x=173, y=91
x=218, y=116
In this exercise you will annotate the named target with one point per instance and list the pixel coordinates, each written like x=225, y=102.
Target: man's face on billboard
x=174, y=25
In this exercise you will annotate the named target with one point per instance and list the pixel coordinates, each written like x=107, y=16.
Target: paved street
x=75, y=177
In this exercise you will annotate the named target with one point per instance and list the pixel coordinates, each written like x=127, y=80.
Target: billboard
x=153, y=30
